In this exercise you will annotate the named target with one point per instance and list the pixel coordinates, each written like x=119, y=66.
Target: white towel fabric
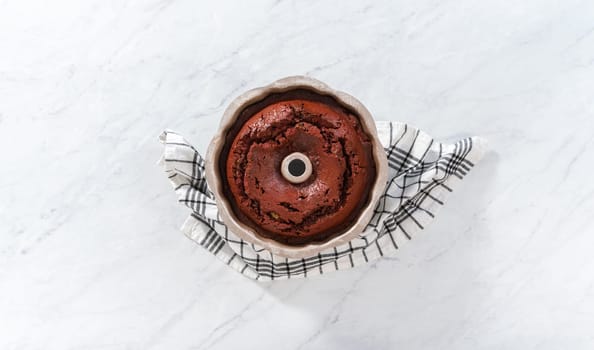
x=421, y=173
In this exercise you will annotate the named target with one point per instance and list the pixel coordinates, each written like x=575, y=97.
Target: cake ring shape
x=342, y=167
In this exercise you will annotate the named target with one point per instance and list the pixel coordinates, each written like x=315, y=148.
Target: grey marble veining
x=90, y=252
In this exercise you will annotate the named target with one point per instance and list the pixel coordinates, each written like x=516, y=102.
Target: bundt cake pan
x=216, y=182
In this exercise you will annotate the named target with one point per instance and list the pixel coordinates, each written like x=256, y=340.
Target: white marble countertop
x=90, y=252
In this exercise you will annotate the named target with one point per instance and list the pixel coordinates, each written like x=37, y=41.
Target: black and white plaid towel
x=421, y=173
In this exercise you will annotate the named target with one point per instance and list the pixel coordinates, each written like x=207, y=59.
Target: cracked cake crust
x=332, y=138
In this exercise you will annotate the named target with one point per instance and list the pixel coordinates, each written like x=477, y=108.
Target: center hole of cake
x=297, y=167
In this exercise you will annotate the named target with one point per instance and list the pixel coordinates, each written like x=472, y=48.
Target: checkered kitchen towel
x=421, y=173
